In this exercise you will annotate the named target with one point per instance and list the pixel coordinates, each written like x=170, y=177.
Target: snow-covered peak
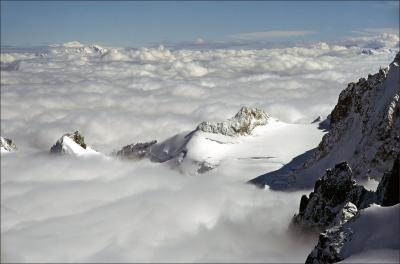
x=242, y=123
x=7, y=145
x=72, y=144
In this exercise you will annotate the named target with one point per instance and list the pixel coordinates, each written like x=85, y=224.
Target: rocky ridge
x=364, y=130
x=372, y=107
x=242, y=123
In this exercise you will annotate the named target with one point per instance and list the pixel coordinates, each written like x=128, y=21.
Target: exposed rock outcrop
x=73, y=144
x=76, y=137
x=336, y=198
x=7, y=145
x=242, y=123
x=135, y=151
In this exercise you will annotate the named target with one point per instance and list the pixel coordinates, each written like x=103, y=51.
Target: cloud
x=375, y=38
x=124, y=211
x=271, y=34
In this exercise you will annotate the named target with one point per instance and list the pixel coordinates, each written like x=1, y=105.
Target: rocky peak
x=135, y=151
x=366, y=122
x=75, y=137
x=336, y=198
x=364, y=130
x=7, y=144
x=242, y=123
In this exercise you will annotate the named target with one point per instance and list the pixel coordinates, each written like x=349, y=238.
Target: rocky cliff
x=364, y=131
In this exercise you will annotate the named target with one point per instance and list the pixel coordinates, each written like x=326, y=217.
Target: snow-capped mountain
x=247, y=139
x=73, y=144
x=364, y=131
x=7, y=145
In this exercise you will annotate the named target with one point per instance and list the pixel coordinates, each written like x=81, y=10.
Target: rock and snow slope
x=374, y=228
x=364, y=131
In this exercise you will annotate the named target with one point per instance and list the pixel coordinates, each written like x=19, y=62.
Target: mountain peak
x=71, y=143
x=242, y=123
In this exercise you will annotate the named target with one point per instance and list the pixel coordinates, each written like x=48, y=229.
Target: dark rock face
x=7, y=144
x=75, y=136
x=388, y=188
x=135, y=151
x=335, y=199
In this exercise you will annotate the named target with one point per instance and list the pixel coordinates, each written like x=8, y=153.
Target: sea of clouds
x=96, y=209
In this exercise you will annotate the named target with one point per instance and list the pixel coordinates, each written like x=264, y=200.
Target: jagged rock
x=388, y=188
x=335, y=199
x=242, y=123
x=60, y=147
x=329, y=247
x=135, y=151
x=7, y=145
x=370, y=110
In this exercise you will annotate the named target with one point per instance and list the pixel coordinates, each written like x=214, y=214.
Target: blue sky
x=142, y=23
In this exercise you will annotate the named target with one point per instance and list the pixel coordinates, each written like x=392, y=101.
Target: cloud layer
x=128, y=95
x=95, y=209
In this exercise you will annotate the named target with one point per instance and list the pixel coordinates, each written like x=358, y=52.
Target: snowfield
x=88, y=208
